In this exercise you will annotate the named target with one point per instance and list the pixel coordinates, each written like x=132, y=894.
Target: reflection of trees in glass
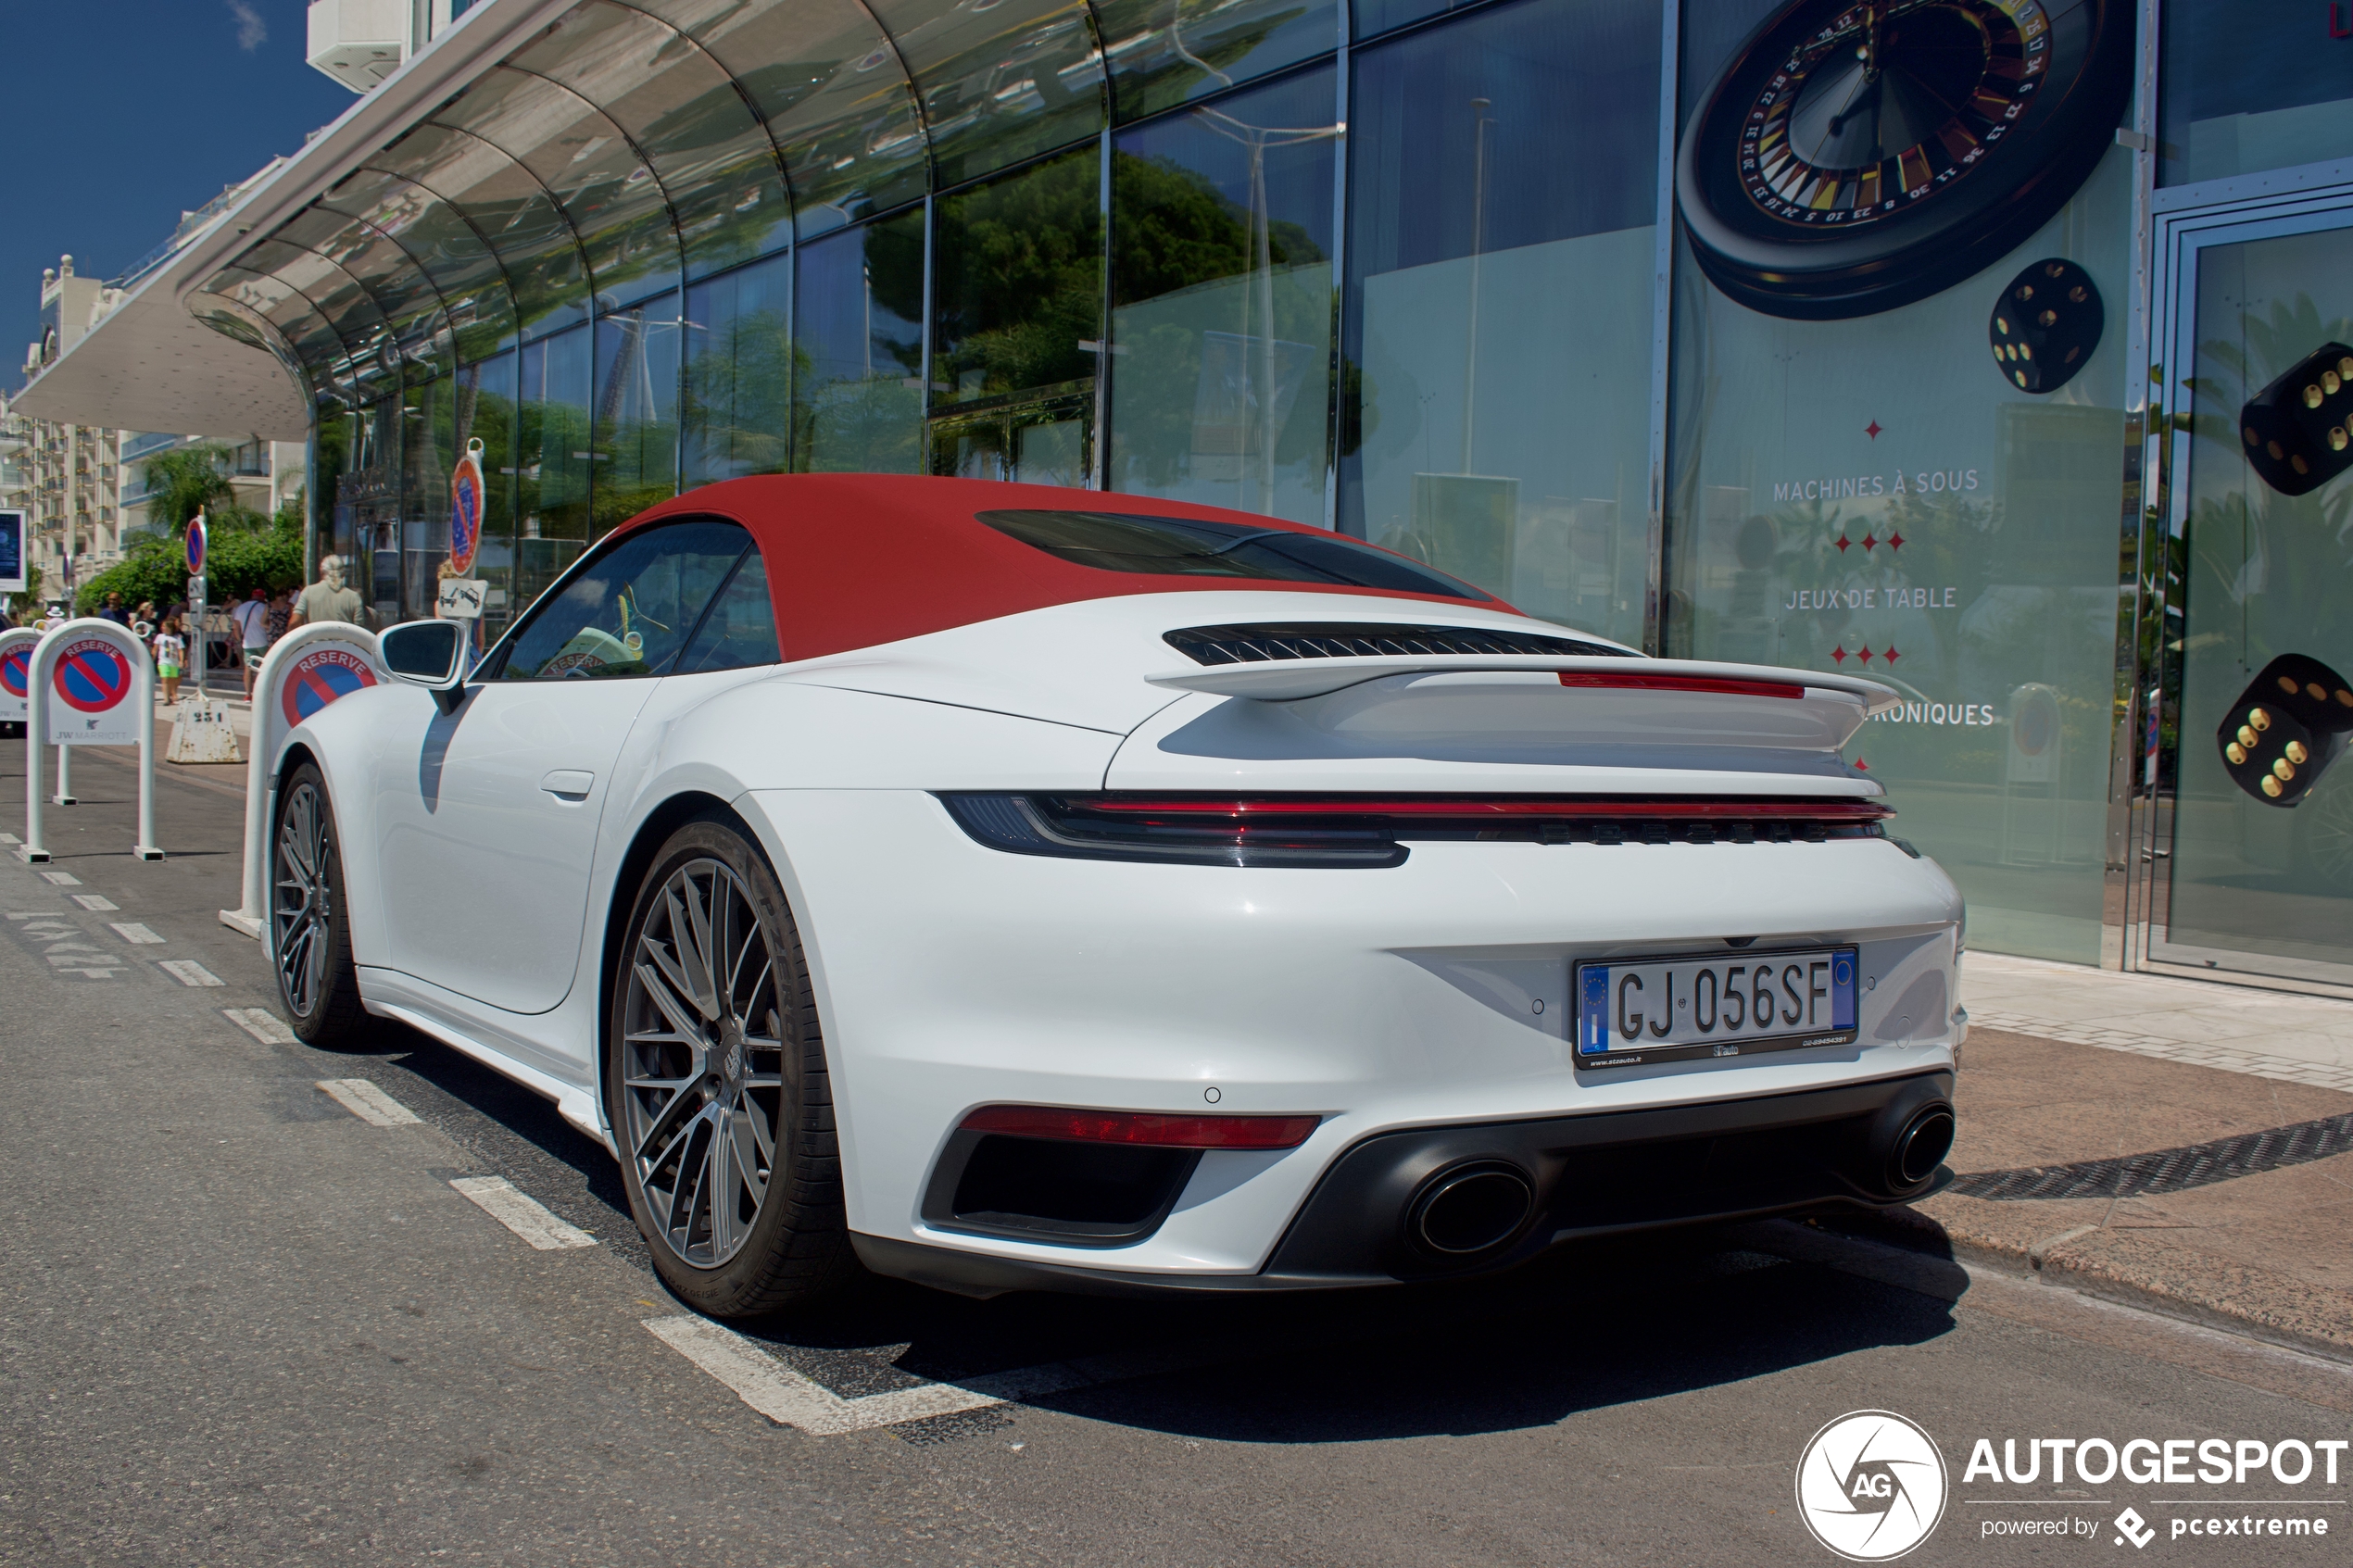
x=858, y=350
x=736, y=411
x=1018, y=273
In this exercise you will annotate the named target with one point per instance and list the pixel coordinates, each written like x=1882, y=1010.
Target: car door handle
x=568, y=783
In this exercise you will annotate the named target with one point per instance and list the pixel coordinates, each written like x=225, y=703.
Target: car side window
x=739, y=630
x=628, y=609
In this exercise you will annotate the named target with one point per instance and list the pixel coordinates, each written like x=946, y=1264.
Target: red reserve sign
x=320, y=677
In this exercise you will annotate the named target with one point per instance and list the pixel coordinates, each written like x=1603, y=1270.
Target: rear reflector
x=1632, y=683
x=1149, y=1129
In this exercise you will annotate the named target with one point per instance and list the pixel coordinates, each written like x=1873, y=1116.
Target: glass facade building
x=1431, y=274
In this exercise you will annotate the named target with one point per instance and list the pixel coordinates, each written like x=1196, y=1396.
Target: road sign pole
x=144, y=680
x=36, y=719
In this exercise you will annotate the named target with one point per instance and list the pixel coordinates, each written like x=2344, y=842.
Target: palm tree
x=186, y=480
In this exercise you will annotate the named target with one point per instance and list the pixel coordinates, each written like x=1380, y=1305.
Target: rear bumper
x=1595, y=1174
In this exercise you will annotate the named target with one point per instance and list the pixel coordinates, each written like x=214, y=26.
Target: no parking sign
x=93, y=689
x=16, y=672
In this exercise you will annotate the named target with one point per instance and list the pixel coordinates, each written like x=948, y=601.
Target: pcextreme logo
x=1871, y=1485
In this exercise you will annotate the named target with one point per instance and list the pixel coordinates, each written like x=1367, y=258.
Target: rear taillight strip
x=1475, y=806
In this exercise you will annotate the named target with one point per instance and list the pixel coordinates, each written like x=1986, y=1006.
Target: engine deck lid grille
x=1264, y=644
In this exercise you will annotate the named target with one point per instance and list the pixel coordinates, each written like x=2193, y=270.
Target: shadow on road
x=1593, y=1324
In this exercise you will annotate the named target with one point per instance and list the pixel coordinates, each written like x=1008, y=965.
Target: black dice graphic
x=2295, y=431
x=2287, y=729
x=2046, y=325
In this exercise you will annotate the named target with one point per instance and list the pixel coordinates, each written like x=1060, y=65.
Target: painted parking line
x=261, y=1023
x=61, y=879
x=133, y=932
x=368, y=1102
x=782, y=1394
x=499, y=1199
x=188, y=972
x=96, y=903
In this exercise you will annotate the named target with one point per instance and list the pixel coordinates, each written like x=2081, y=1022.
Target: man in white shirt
x=253, y=628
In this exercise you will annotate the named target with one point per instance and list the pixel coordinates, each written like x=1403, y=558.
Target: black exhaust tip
x=1926, y=1139
x=1471, y=1208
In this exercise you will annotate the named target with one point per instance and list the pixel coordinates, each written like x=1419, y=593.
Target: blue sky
x=120, y=113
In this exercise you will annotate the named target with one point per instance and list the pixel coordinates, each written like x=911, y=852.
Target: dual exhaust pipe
x=1478, y=1206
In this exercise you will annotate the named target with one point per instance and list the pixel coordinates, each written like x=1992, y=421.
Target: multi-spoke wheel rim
x=302, y=898
x=702, y=1062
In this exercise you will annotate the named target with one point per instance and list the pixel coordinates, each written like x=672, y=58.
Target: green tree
x=186, y=480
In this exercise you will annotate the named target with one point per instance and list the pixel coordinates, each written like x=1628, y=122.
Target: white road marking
x=261, y=1023
x=368, y=1102
x=9, y=838
x=61, y=879
x=499, y=1199
x=133, y=932
x=188, y=972
x=780, y=1393
x=96, y=903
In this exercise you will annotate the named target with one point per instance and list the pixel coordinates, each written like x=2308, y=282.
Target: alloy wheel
x=302, y=897
x=702, y=1061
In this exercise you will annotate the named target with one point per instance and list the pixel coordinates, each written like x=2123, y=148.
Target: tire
x=311, y=919
x=716, y=1085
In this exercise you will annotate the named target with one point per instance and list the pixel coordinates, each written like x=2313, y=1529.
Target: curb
x=2120, y=1266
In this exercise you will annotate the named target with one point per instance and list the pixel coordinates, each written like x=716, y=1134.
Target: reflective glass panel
x=2246, y=85
x=858, y=338
x=1164, y=52
x=834, y=94
x=464, y=271
x=736, y=417
x=1221, y=301
x=428, y=426
x=1495, y=411
x=1001, y=83
x=637, y=461
x=485, y=412
x=551, y=459
x=1017, y=281
x=2261, y=875
x=514, y=214
x=1877, y=496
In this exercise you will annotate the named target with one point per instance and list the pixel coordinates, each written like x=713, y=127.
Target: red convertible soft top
x=855, y=559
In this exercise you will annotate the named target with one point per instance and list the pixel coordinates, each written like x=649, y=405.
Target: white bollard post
x=65, y=795
x=109, y=697
x=322, y=663
x=16, y=687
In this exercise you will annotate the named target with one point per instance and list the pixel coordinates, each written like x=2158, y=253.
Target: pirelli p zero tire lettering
x=716, y=1081
x=310, y=917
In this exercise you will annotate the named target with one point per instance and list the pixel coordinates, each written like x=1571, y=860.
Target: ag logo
x=1871, y=1486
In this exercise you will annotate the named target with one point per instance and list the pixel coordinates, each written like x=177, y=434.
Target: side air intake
x=1258, y=645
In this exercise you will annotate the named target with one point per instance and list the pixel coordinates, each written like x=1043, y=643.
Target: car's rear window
x=1189, y=547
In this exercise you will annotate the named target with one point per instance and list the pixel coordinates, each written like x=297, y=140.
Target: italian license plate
x=1676, y=1009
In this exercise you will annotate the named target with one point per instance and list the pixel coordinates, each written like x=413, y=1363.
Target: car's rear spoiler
x=1291, y=679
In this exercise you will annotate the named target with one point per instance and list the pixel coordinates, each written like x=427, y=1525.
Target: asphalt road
x=244, y=1325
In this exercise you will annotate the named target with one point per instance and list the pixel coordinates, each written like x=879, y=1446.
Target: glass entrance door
x=2251, y=864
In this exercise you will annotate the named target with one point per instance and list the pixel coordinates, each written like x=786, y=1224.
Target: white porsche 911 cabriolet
x=1000, y=887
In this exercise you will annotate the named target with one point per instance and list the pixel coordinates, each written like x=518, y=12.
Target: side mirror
x=429, y=653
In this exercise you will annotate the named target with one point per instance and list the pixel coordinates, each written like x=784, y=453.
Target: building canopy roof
x=542, y=154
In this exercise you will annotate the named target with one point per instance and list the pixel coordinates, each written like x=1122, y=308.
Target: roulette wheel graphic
x=1854, y=155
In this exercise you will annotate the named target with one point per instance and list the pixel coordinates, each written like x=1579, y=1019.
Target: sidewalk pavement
x=2184, y=1146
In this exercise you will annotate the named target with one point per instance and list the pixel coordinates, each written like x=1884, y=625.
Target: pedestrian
x=114, y=611
x=328, y=599
x=281, y=612
x=253, y=634
x=172, y=657
x=143, y=619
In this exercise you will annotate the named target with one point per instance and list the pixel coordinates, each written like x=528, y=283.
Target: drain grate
x=2168, y=1170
